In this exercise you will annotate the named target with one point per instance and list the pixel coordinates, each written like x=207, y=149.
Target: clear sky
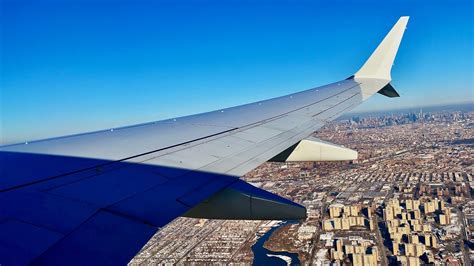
x=72, y=66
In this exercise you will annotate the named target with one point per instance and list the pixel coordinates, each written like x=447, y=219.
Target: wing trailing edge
x=244, y=201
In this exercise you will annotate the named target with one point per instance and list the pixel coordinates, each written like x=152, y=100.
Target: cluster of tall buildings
x=411, y=237
x=359, y=252
x=346, y=217
x=343, y=220
x=438, y=207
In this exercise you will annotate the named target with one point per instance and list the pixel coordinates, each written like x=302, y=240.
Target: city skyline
x=84, y=75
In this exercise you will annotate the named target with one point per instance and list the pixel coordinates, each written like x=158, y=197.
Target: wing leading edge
x=97, y=198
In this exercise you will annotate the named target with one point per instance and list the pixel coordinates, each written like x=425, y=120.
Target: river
x=263, y=256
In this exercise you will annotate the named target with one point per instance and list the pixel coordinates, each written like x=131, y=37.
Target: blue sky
x=72, y=66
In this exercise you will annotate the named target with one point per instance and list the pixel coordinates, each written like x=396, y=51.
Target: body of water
x=263, y=256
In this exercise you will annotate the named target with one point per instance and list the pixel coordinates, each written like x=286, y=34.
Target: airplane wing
x=97, y=198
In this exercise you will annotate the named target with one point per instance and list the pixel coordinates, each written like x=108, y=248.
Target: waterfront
x=263, y=256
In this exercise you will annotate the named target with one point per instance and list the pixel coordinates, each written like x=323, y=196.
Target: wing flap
x=107, y=238
x=89, y=212
x=44, y=210
x=159, y=205
x=120, y=184
x=21, y=242
x=244, y=201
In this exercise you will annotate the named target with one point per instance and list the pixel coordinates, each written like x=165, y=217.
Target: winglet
x=380, y=63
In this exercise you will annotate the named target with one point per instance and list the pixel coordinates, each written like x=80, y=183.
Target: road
x=315, y=240
x=465, y=252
